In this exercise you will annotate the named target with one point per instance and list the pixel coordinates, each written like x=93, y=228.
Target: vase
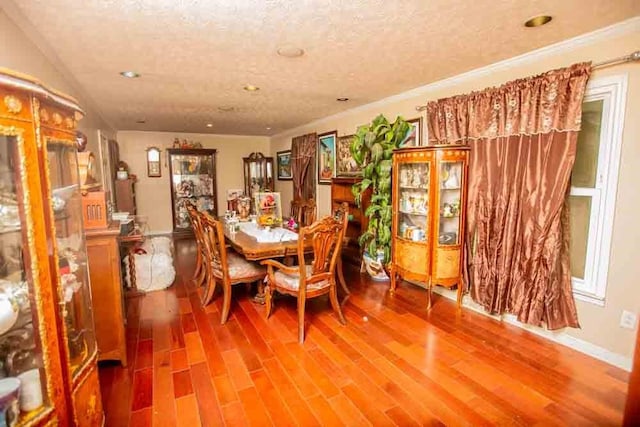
x=452, y=181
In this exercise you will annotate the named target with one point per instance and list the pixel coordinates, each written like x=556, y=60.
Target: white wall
x=153, y=196
x=600, y=325
x=20, y=52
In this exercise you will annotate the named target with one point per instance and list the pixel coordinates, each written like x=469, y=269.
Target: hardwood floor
x=394, y=363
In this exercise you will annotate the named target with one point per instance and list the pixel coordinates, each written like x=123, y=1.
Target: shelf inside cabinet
x=409, y=187
x=8, y=230
x=450, y=188
x=417, y=242
x=414, y=213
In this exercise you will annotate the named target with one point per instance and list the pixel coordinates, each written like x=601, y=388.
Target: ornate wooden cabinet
x=47, y=344
x=258, y=174
x=429, y=199
x=193, y=180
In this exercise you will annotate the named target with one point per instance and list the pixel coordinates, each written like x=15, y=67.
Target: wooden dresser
x=106, y=289
x=341, y=192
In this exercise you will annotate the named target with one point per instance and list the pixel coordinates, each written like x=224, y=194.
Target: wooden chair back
x=341, y=213
x=326, y=238
x=215, y=248
x=199, y=274
x=304, y=211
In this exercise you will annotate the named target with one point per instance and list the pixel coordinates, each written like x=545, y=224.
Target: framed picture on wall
x=284, y=165
x=415, y=138
x=345, y=164
x=326, y=156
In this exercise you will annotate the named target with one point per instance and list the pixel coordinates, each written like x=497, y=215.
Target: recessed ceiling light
x=268, y=128
x=251, y=88
x=130, y=74
x=290, y=51
x=343, y=99
x=209, y=125
x=141, y=121
x=538, y=21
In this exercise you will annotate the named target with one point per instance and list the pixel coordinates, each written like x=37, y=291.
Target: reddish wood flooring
x=392, y=364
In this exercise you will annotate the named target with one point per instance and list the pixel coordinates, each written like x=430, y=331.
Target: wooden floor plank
x=394, y=363
x=208, y=406
x=187, y=410
x=164, y=410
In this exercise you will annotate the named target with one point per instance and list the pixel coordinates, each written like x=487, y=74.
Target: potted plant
x=372, y=149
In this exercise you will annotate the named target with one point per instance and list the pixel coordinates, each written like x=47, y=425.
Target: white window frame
x=612, y=90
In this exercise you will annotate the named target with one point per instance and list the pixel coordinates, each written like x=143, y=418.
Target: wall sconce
x=153, y=162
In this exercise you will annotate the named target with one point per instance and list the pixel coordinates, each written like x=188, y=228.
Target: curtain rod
x=632, y=57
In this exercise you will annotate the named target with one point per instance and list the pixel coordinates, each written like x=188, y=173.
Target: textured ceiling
x=196, y=55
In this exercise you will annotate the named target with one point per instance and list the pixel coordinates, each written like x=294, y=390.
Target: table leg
x=259, y=296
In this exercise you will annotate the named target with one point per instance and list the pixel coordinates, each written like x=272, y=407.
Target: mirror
x=153, y=162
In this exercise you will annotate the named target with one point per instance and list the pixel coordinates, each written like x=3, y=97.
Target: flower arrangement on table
x=291, y=224
x=268, y=209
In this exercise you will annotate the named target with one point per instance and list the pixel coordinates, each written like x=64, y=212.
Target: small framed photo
x=415, y=138
x=345, y=164
x=327, y=157
x=284, y=165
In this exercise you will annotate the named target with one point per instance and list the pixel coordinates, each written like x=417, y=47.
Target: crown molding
x=173, y=134
x=33, y=35
x=621, y=28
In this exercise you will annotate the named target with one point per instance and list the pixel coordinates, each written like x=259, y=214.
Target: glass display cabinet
x=193, y=180
x=258, y=174
x=429, y=195
x=48, y=356
x=71, y=260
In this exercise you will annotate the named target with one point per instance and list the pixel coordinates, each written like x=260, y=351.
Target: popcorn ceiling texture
x=195, y=56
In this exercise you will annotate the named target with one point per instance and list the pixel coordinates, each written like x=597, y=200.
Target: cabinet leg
x=459, y=296
x=394, y=277
x=429, y=294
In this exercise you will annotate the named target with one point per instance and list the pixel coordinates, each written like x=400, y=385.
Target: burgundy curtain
x=303, y=162
x=523, y=143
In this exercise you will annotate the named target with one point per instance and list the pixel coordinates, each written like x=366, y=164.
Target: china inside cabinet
x=48, y=368
x=429, y=195
x=193, y=180
x=258, y=174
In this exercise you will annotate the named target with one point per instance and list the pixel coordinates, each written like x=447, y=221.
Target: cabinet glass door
x=192, y=181
x=413, y=201
x=21, y=356
x=450, y=192
x=75, y=294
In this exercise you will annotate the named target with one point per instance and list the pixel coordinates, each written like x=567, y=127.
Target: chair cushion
x=240, y=268
x=292, y=281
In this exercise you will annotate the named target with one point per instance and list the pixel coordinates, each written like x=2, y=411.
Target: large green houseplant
x=372, y=149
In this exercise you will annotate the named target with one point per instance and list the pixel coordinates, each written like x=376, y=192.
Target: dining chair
x=304, y=211
x=224, y=265
x=341, y=213
x=200, y=272
x=306, y=281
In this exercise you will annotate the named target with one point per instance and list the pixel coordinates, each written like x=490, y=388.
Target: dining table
x=257, y=243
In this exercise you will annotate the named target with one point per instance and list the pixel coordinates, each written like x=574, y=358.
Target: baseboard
x=563, y=338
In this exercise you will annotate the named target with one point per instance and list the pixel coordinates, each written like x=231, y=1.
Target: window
x=594, y=182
